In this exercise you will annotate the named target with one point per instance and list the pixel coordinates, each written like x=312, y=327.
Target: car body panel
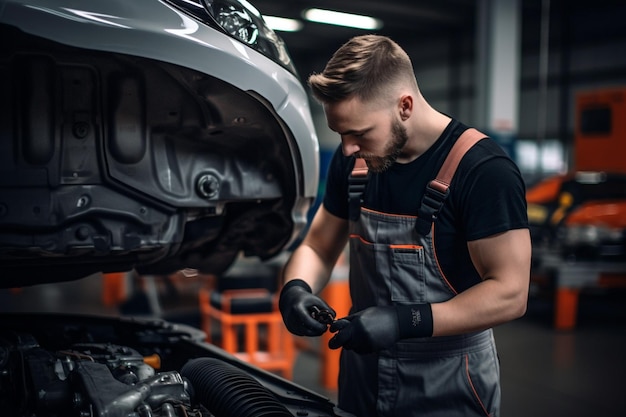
x=137, y=137
x=156, y=30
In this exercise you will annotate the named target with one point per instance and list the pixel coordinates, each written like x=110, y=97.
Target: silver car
x=145, y=135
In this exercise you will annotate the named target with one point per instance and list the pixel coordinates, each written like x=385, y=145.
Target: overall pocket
x=406, y=280
x=462, y=384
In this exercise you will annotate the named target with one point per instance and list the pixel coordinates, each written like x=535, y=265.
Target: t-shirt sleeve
x=336, y=193
x=493, y=198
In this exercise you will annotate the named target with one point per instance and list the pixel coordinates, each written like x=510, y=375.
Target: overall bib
x=392, y=262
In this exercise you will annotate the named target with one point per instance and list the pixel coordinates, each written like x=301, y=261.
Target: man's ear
x=405, y=106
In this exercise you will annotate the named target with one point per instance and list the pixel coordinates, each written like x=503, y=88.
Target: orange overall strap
x=360, y=168
x=467, y=139
x=437, y=190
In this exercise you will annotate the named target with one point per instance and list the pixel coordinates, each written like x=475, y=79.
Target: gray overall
x=392, y=263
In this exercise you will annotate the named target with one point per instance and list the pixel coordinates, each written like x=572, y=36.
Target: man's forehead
x=349, y=116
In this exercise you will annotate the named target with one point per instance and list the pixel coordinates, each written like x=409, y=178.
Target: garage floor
x=545, y=373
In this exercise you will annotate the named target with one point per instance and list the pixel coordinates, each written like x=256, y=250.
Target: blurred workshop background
x=547, y=80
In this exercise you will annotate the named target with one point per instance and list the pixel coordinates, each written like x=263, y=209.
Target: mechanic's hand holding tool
x=304, y=313
x=377, y=328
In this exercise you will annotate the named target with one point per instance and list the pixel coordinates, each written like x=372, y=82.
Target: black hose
x=227, y=391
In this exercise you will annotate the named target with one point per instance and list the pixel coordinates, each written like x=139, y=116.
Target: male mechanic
x=434, y=265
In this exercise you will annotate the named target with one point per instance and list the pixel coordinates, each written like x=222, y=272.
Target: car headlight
x=242, y=21
x=590, y=235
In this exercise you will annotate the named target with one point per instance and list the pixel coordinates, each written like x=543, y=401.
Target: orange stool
x=566, y=308
x=567, y=299
x=113, y=288
x=250, y=310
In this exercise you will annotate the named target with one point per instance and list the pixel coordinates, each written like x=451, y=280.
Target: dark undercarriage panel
x=111, y=162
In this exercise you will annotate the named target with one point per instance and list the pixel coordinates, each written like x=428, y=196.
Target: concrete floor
x=545, y=373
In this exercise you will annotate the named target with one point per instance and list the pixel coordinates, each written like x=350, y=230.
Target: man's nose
x=349, y=147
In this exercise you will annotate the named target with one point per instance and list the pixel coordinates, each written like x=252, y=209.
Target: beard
x=399, y=138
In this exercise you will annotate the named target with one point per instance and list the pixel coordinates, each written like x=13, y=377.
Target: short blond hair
x=365, y=67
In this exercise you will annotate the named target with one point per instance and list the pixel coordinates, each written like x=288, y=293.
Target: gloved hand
x=378, y=328
x=296, y=304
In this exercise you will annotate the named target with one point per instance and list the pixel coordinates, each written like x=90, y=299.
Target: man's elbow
x=520, y=309
x=518, y=305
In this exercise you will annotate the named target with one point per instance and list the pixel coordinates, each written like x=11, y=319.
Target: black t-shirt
x=487, y=196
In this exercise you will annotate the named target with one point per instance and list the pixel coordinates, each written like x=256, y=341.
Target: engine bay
x=65, y=365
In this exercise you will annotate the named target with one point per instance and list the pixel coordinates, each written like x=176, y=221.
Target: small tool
x=323, y=316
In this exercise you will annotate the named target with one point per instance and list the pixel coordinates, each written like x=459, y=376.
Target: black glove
x=378, y=328
x=297, y=305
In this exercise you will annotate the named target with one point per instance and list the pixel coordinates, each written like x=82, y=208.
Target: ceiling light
x=342, y=19
x=283, y=24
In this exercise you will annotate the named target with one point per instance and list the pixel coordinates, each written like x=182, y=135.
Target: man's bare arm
x=314, y=259
x=503, y=262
